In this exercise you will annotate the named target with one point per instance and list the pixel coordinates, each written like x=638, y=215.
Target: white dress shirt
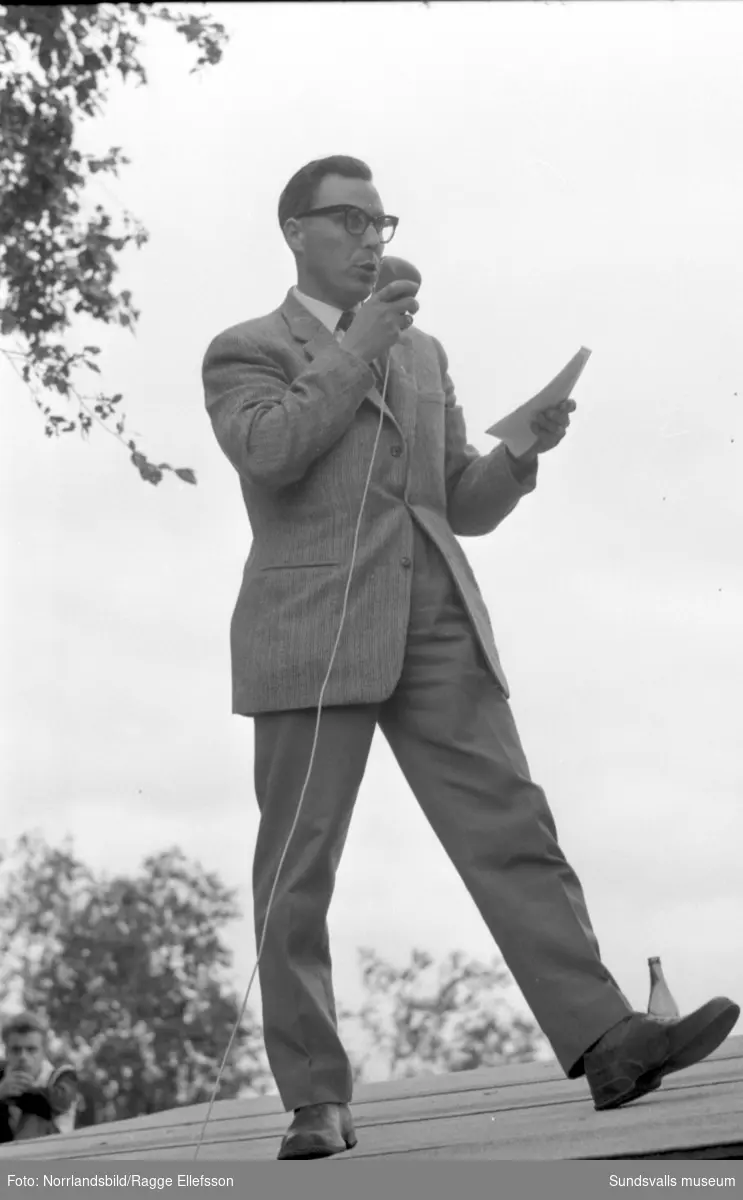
x=328, y=314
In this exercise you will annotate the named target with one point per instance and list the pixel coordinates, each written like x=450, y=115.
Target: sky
x=565, y=175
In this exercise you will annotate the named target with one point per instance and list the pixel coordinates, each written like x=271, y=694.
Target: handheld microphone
x=393, y=269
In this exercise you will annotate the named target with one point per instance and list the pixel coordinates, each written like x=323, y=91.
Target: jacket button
x=406, y=562
x=396, y=451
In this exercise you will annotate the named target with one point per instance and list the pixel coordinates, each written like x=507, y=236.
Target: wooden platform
x=516, y=1112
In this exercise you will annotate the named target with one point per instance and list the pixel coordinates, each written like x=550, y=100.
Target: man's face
x=25, y=1052
x=329, y=259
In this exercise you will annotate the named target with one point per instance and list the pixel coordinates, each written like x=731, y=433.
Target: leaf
x=186, y=474
x=149, y=472
x=60, y=255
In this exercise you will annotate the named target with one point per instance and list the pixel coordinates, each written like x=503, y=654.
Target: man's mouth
x=370, y=268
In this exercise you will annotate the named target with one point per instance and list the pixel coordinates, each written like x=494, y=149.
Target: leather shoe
x=319, y=1130
x=634, y=1057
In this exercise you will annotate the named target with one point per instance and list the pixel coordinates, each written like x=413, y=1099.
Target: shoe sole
x=722, y=1018
x=308, y=1149
x=646, y=1083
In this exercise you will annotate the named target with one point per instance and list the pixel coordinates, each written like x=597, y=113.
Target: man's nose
x=371, y=238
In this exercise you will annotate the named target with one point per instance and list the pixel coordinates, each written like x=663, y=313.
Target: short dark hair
x=299, y=193
x=24, y=1022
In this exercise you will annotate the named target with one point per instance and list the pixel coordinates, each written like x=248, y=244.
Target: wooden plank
x=112, y=1138
x=449, y=1105
x=700, y=1117
x=106, y=1139
x=518, y=1136
x=420, y=1133
x=450, y=1098
x=390, y=1092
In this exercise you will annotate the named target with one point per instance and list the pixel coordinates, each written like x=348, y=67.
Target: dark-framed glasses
x=356, y=220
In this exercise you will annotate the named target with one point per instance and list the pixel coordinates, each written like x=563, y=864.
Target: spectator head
x=25, y=1041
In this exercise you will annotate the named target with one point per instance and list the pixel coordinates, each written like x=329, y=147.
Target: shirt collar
x=327, y=314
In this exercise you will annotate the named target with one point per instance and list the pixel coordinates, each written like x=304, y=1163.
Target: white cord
x=309, y=768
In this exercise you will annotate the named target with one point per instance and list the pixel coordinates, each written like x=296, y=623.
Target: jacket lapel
x=401, y=390
x=315, y=337
x=304, y=326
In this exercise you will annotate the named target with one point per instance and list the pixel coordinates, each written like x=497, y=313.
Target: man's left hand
x=550, y=426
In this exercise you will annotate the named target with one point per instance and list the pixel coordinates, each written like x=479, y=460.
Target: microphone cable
x=309, y=768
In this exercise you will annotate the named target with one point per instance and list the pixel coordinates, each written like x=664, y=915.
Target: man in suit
x=295, y=402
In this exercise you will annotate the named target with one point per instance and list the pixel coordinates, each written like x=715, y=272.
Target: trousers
x=453, y=734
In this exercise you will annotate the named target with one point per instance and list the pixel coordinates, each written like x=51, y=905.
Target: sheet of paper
x=515, y=429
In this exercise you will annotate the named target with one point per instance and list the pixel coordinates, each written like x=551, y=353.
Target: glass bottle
x=661, y=1003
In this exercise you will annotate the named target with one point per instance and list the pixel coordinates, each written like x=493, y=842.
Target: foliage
x=418, y=1021
x=60, y=255
x=130, y=974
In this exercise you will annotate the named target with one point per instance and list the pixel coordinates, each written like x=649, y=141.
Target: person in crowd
x=36, y=1098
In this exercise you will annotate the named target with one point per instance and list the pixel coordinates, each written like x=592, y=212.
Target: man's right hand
x=14, y=1084
x=380, y=321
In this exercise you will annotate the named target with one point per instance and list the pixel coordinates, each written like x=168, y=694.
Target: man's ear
x=294, y=235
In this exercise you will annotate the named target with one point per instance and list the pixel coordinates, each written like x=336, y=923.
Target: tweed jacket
x=297, y=416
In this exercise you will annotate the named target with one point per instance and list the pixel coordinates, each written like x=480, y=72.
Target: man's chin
x=362, y=287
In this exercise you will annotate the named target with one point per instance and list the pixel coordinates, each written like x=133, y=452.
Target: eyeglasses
x=356, y=220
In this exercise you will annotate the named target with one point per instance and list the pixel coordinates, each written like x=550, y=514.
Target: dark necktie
x=345, y=320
